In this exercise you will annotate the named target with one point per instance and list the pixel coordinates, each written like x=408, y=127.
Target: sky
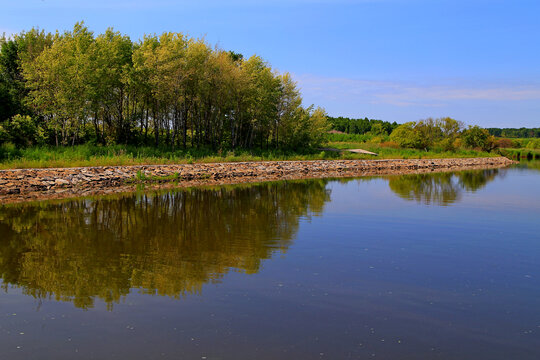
x=477, y=61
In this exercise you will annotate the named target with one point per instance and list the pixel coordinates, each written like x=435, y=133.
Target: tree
x=60, y=79
x=428, y=133
x=22, y=131
x=477, y=138
x=112, y=106
x=451, y=129
x=407, y=136
x=289, y=103
x=107, y=89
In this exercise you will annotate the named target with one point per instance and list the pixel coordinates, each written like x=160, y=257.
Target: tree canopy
x=168, y=89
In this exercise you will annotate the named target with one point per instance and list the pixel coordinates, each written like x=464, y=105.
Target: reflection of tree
x=475, y=180
x=168, y=244
x=440, y=188
x=528, y=165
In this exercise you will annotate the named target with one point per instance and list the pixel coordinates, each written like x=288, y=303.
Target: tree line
x=515, y=133
x=168, y=90
x=362, y=126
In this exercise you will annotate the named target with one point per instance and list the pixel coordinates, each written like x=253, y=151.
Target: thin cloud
x=409, y=94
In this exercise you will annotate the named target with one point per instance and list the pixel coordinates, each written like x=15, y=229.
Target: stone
x=61, y=182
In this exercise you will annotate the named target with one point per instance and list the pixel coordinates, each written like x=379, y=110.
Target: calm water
x=442, y=266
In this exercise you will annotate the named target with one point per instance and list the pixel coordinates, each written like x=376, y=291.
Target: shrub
x=477, y=138
x=425, y=134
x=22, y=131
x=533, y=144
x=390, y=144
x=407, y=136
x=447, y=144
x=8, y=151
x=4, y=136
x=504, y=143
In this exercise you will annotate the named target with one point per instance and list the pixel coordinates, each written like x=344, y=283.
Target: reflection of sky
x=515, y=192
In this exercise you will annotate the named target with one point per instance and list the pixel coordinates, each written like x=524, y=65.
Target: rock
x=100, y=179
x=61, y=182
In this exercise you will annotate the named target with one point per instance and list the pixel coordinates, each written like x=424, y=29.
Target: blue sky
x=398, y=60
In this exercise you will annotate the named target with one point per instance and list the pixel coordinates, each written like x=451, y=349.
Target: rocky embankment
x=32, y=184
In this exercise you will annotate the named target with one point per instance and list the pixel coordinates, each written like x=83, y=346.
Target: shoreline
x=21, y=185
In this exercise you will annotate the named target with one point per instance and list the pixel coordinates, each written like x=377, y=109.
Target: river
x=430, y=266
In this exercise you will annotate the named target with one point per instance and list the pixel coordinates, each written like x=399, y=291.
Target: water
x=439, y=266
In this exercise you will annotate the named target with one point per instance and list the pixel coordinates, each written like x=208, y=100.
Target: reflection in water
x=167, y=244
x=173, y=243
x=525, y=165
x=361, y=280
x=441, y=188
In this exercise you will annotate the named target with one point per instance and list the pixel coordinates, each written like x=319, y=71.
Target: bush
x=8, y=151
x=425, y=134
x=407, y=136
x=477, y=138
x=533, y=144
x=504, y=143
x=447, y=144
x=390, y=144
x=22, y=131
x=4, y=136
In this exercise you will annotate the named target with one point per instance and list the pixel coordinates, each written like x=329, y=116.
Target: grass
x=400, y=153
x=521, y=153
x=92, y=155
x=358, y=138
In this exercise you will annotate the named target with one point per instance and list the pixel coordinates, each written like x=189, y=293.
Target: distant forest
x=515, y=133
x=362, y=126
x=381, y=127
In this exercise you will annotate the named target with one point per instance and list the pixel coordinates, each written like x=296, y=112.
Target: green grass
x=400, y=153
x=141, y=178
x=349, y=138
x=91, y=155
x=521, y=153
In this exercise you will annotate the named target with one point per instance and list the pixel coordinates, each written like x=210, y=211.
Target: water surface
x=432, y=266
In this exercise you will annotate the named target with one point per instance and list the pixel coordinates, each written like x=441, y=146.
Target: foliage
x=428, y=133
x=533, y=144
x=168, y=89
x=21, y=130
x=477, y=138
x=361, y=126
x=26, y=45
x=407, y=136
x=505, y=143
x=515, y=133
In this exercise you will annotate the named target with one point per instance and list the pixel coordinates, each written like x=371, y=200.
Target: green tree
x=60, y=79
x=407, y=136
x=22, y=131
x=477, y=138
x=112, y=106
x=450, y=130
x=176, y=89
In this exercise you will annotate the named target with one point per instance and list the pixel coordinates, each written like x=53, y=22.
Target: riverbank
x=521, y=153
x=19, y=185
x=125, y=155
